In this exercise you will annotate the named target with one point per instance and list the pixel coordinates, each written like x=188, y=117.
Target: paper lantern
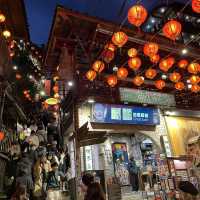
x=2, y=136
x=195, y=88
x=183, y=64
x=132, y=52
x=119, y=39
x=91, y=75
x=134, y=63
x=122, y=73
x=55, y=88
x=150, y=73
x=166, y=64
x=150, y=49
x=2, y=18
x=98, y=66
x=193, y=68
x=110, y=46
x=179, y=86
x=160, y=84
x=196, y=6
x=172, y=29
x=137, y=15
x=6, y=34
x=112, y=80
x=194, y=79
x=18, y=76
x=175, y=77
x=138, y=80
x=108, y=55
x=155, y=58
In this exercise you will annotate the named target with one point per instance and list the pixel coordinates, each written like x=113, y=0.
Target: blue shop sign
x=122, y=114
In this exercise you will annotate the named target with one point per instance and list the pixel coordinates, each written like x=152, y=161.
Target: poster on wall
x=120, y=161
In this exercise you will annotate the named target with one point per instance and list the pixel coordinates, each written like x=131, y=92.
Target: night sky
x=40, y=12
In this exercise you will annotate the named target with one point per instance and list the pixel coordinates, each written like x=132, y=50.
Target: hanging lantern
x=119, y=39
x=137, y=15
x=195, y=88
x=132, y=52
x=183, y=64
x=175, y=77
x=122, y=73
x=6, y=34
x=160, y=84
x=2, y=18
x=193, y=68
x=112, y=80
x=55, y=88
x=172, y=29
x=179, y=86
x=110, y=46
x=98, y=66
x=138, y=80
x=18, y=76
x=150, y=73
x=134, y=63
x=2, y=136
x=108, y=55
x=194, y=79
x=166, y=64
x=150, y=49
x=91, y=75
x=155, y=58
x=27, y=95
x=25, y=92
x=196, y=6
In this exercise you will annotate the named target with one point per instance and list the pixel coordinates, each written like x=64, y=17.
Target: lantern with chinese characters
x=155, y=59
x=166, y=64
x=110, y=46
x=6, y=34
x=98, y=66
x=196, y=6
x=150, y=49
x=194, y=79
x=132, y=52
x=122, y=73
x=108, y=55
x=138, y=80
x=137, y=15
x=2, y=18
x=119, y=39
x=172, y=29
x=112, y=80
x=183, y=64
x=2, y=136
x=179, y=86
x=175, y=77
x=55, y=88
x=195, y=88
x=193, y=68
x=160, y=84
x=134, y=63
x=91, y=75
x=150, y=73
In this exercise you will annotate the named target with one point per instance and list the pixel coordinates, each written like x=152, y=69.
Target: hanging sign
x=146, y=97
x=122, y=114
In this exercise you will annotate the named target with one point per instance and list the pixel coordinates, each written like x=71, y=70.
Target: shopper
x=20, y=193
x=87, y=180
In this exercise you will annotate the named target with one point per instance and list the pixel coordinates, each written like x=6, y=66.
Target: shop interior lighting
x=15, y=67
x=42, y=93
x=184, y=51
x=189, y=86
x=70, y=83
x=91, y=101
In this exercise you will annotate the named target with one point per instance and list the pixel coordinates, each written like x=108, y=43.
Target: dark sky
x=40, y=12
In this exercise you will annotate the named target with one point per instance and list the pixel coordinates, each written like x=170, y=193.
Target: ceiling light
x=30, y=76
x=162, y=10
x=42, y=93
x=192, y=36
x=91, y=101
x=189, y=86
x=70, y=83
x=198, y=20
x=164, y=76
x=187, y=17
x=184, y=51
x=153, y=20
x=15, y=67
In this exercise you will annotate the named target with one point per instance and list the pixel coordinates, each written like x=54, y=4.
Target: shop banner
x=122, y=114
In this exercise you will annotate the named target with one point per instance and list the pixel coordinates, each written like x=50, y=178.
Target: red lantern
x=175, y=77
x=91, y=75
x=112, y=80
x=108, y=55
x=166, y=64
x=194, y=79
x=155, y=58
x=2, y=18
x=183, y=64
x=132, y=52
x=160, y=84
x=2, y=136
x=196, y=6
x=122, y=73
x=179, y=86
x=56, y=88
x=134, y=63
x=18, y=76
x=138, y=80
x=172, y=29
x=193, y=68
x=151, y=73
x=110, y=46
x=150, y=49
x=137, y=15
x=195, y=88
x=119, y=39
x=98, y=66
